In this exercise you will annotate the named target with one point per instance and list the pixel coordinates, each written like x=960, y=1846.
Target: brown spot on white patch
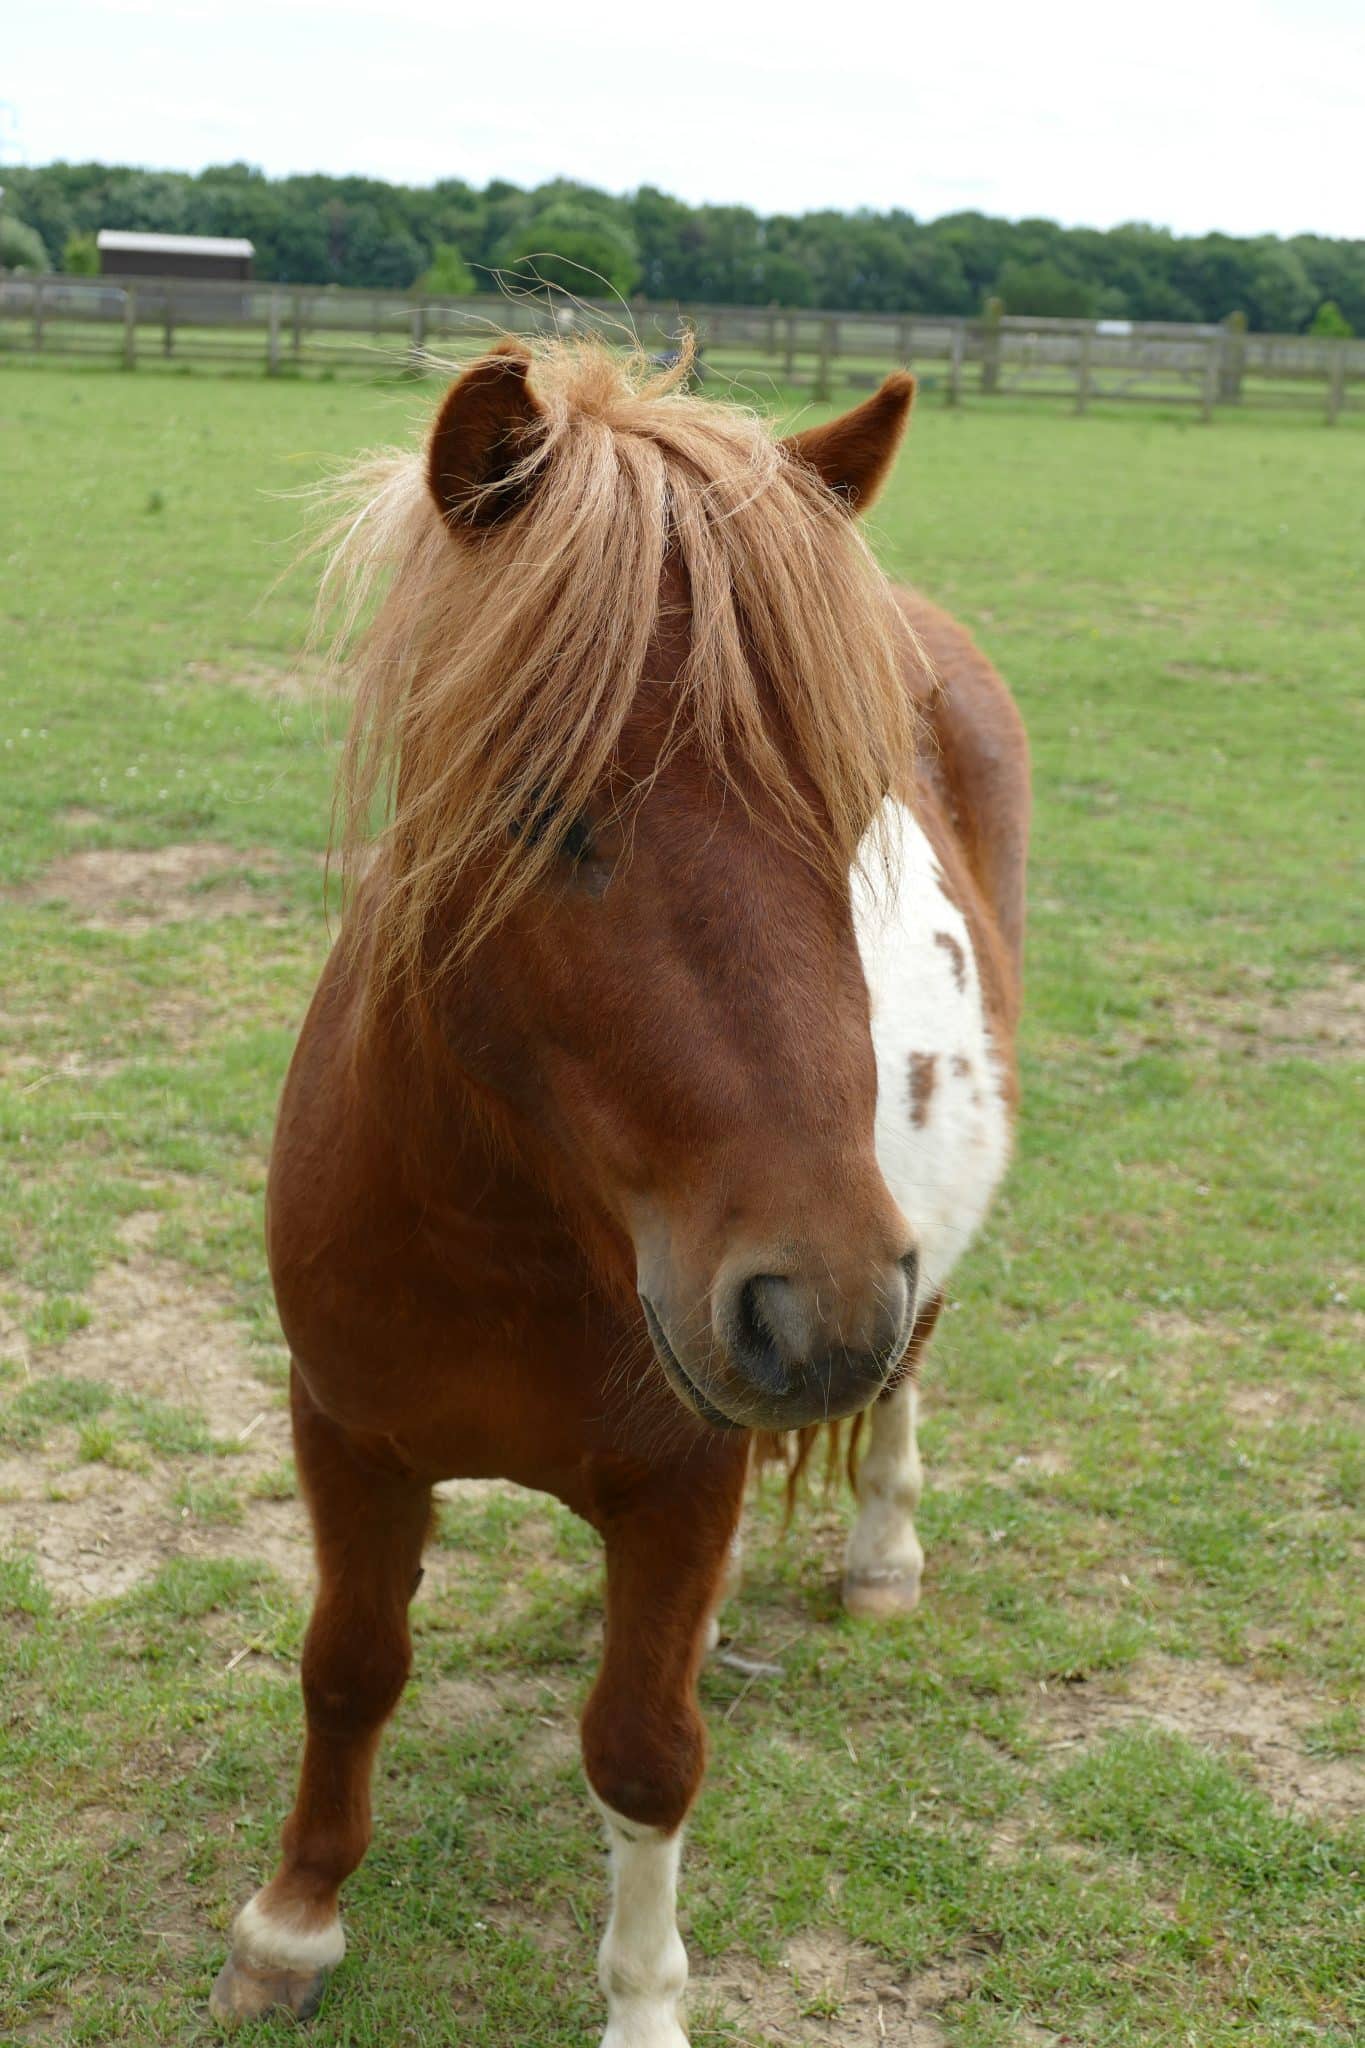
x=952, y=947
x=962, y=1066
x=923, y=1077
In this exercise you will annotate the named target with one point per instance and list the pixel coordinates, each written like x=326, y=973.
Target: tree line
x=453, y=238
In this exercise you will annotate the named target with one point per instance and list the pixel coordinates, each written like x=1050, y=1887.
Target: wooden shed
x=202, y=257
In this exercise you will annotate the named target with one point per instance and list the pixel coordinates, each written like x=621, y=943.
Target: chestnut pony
x=660, y=1073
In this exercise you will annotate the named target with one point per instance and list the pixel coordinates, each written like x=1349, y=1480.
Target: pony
x=659, y=1075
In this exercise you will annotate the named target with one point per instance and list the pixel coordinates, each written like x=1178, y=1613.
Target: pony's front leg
x=369, y=1524
x=884, y=1560
x=644, y=1745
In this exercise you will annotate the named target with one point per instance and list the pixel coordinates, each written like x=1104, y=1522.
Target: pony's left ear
x=488, y=423
x=854, y=453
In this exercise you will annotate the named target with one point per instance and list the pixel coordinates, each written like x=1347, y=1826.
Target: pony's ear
x=854, y=453
x=487, y=425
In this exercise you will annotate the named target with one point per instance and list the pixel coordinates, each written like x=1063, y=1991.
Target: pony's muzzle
x=811, y=1351
x=784, y=1350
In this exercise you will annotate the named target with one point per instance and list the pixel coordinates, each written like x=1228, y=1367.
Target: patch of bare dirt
x=98, y=1528
x=32, y=1055
x=16, y=1305
x=1029, y=1467
x=1198, y=672
x=1262, y=1720
x=132, y=889
x=152, y=1332
x=1263, y=1406
x=450, y=1700
x=93, y=1531
x=302, y=681
x=1322, y=1023
x=829, y=1990
x=1332, y=1016
x=1173, y=1326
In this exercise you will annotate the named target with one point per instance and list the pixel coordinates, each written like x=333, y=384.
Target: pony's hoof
x=645, y=2031
x=879, y=1599
x=247, y=1991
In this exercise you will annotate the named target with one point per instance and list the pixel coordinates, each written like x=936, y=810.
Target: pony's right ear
x=488, y=424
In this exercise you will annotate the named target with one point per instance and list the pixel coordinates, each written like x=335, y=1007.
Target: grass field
x=1106, y=1787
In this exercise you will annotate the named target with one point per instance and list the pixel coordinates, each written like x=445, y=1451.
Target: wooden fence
x=295, y=328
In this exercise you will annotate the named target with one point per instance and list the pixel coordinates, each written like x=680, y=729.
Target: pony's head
x=636, y=696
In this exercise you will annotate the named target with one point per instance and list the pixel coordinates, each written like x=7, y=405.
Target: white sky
x=1194, y=114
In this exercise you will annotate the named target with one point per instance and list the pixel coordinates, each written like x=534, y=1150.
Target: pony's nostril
x=753, y=1333
x=760, y=1339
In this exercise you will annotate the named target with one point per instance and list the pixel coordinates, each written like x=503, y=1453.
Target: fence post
x=1234, y=359
x=129, y=327
x=298, y=325
x=789, y=356
x=418, y=342
x=990, y=347
x=823, y=360
x=1336, y=382
x=272, y=345
x=1084, y=367
x=952, y=390
x=168, y=324
x=1213, y=365
x=38, y=314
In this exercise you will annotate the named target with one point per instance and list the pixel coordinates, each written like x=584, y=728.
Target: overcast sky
x=1194, y=114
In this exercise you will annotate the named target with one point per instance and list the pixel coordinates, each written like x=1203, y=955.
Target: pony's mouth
x=683, y=1385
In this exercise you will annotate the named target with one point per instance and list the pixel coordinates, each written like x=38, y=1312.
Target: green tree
x=21, y=247
x=1329, y=320
x=1045, y=290
x=574, y=246
x=668, y=236
x=1280, y=296
x=315, y=229
x=447, y=276
x=80, y=256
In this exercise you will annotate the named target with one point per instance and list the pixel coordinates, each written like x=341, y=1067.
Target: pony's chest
x=942, y=1130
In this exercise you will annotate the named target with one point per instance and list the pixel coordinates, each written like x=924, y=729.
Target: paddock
x=1107, y=1784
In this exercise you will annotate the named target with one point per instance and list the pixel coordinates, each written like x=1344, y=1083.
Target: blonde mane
x=494, y=679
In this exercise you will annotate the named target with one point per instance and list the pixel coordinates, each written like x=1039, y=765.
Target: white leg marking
x=642, y=1964
x=884, y=1560
x=270, y=1942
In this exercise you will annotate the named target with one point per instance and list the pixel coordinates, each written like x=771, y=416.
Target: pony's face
x=675, y=1019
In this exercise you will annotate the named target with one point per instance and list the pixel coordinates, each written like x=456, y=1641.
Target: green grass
x=1142, y=1413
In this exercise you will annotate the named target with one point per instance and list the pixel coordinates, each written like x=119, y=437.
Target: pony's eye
x=576, y=842
x=573, y=842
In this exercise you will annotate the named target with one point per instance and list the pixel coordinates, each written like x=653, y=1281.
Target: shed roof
x=174, y=245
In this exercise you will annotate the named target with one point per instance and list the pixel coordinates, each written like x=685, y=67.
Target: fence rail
x=294, y=328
